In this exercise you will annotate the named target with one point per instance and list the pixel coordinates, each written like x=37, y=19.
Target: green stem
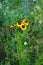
x=20, y=49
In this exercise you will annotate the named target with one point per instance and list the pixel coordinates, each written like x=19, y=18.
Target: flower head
x=25, y=22
x=23, y=27
x=19, y=24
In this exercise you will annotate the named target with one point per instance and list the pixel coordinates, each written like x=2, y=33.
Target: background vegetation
x=18, y=47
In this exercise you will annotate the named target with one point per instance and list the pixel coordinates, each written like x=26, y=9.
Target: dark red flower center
x=23, y=26
x=19, y=23
x=26, y=21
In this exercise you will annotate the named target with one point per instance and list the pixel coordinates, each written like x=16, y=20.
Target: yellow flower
x=25, y=22
x=23, y=27
x=19, y=24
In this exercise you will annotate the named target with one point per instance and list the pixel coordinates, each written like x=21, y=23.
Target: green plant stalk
x=19, y=50
x=40, y=59
x=22, y=60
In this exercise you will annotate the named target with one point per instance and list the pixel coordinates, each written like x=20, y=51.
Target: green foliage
x=40, y=60
x=18, y=47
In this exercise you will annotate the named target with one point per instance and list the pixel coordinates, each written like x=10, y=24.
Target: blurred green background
x=19, y=47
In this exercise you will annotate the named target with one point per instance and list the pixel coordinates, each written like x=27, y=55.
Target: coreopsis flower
x=25, y=22
x=23, y=27
x=19, y=24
